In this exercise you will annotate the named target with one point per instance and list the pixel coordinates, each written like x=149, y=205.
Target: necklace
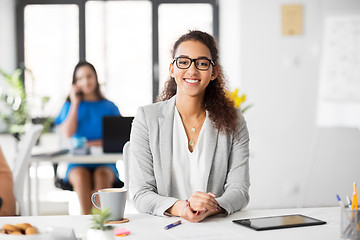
x=192, y=142
x=193, y=130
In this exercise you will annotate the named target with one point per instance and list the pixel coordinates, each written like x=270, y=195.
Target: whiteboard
x=339, y=86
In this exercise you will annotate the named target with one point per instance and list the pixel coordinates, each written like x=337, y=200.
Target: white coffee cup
x=113, y=199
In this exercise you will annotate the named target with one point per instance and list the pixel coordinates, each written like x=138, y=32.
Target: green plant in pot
x=99, y=230
x=14, y=103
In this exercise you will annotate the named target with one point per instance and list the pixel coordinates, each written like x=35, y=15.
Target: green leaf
x=246, y=108
x=99, y=218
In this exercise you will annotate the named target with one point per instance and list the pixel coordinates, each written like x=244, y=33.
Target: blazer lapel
x=211, y=138
x=166, y=133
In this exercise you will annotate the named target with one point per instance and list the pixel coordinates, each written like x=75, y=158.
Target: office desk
x=144, y=226
x=96, y=157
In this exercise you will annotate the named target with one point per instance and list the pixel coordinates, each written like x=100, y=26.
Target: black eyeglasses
x=202, y=64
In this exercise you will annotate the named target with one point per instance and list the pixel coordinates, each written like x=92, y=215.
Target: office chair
x=22, y=163
x=126, y=159
x=60, y=183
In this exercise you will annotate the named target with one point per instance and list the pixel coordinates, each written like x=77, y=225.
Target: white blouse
x=187, y=170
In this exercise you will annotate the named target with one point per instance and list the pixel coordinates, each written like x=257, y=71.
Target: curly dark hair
x=221, y=109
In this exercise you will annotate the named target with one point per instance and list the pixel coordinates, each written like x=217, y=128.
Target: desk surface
x=91, y=158
x=95, y=157
x=144, y=226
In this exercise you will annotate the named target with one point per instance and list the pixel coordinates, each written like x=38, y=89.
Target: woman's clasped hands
x=199, y=206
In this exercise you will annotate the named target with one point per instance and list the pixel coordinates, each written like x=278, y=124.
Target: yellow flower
x=235, y=98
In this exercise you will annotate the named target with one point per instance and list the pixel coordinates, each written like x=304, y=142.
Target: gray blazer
x=151, y=157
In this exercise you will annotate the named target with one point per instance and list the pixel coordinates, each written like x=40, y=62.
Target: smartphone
x=79, y=93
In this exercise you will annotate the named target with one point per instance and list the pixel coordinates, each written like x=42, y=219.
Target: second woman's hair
x=221, y=110
x=97, y=88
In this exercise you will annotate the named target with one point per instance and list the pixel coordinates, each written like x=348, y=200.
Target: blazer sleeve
x=143, y=179
x=236, y=194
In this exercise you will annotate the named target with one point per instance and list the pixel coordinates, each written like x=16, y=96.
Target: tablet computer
x=279, y=222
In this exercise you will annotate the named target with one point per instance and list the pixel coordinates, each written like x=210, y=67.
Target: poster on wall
x=339, y=86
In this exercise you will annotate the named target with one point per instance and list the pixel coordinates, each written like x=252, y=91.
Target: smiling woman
x=190, y=150
x=81, y=117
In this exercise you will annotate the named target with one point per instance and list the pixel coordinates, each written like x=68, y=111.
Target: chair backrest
x=126, y=159
x=22, y=162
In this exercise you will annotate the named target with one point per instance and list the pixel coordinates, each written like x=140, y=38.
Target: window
x=119, y=44
x=51, y=51
x=128, y=42
x=174, y=21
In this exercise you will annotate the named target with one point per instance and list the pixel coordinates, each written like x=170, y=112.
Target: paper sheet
x=339, y=88
x=202, y=230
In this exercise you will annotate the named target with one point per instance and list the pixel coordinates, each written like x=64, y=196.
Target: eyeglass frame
x=192, y=60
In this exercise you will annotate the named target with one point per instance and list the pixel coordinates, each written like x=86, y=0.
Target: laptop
x=116, y=132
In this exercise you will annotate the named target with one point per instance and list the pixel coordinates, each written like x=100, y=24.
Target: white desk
x=98, y=157
x=71, y=158
x=144, y=226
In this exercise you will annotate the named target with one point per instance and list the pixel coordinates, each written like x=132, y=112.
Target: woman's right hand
x=188, y=214
x=201, y=202
x=75, y=97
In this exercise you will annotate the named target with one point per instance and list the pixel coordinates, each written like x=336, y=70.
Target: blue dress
x=89, y=125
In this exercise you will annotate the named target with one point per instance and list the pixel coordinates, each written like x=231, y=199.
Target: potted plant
x=14, y=104
x=99, y=230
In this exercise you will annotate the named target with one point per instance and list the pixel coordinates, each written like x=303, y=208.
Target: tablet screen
x=277, y=222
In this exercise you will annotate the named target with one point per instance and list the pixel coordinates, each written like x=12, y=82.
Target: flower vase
x=95, y=234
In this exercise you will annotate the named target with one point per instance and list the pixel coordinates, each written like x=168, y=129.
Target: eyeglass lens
x=201, y=64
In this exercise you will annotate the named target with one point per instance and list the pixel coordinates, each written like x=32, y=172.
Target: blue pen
x=341, y=204
x=348, y=201
x=173, y=225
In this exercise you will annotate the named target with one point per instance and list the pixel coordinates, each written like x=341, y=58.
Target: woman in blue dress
x=81, y=116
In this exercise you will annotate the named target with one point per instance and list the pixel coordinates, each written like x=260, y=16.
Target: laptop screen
x=116, y=132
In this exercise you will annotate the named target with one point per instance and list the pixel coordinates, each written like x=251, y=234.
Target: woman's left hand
x=191, y=216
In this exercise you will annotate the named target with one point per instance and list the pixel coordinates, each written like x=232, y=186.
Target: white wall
x=293, y=163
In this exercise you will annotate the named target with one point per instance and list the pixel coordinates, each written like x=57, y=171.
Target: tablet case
x=288, y=221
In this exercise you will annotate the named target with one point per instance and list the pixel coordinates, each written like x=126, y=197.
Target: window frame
x=20, y=29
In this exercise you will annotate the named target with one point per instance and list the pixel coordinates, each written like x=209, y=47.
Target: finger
x=211, y=194
x=201, y=207
x=200, y=201
x=200, y=216
x=208, y=196
x=188, y=213
x=195, y=217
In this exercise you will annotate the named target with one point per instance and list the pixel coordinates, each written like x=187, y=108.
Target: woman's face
x=192, y=81
x=85, y=80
